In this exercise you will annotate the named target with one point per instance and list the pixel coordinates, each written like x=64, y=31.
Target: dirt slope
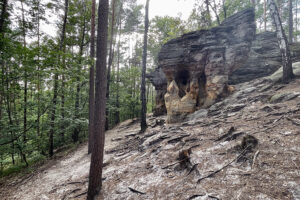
x=218, y=167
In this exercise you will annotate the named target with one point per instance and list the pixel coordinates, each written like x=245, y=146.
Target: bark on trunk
x=265, y=15
x=224, y=9
x=208, y=12
x=96, y=166
x=92, y=80
x=143, y=81
x=25, y=87
x=110, y=59
x=117, y=115
x=3, y=16
x=214, y=8
x=290, y=21
x=38, y=79
x=282, y=42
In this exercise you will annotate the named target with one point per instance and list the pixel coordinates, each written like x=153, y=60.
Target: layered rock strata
x=263, y=59
x=197, y=65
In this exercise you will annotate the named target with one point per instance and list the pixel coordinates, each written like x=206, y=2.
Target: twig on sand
x=79, y=195
x=73, y=191
x=254, y=158
x=294, y=121
x=135, y=191
x=193, y=168
x=217, y=171
x=170, y=165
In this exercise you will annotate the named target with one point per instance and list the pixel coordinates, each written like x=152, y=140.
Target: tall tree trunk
x=25, y=86
x=76, y=131
x=117, y=115
x=62, y=110
x=55, y=86
x=9, y=111
x=92, y=81
x=95, y=176
x=282, y=42
x=290, y=21
x=265, y=15
x=143, y=81
x=224, y=9
x=208, y=13
x=296, y=22
x=3, y=15
x=214, y=8
x=110, y=59
x=38, y=77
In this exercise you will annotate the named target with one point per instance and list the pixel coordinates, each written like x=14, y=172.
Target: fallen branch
x=73, y=191
x=79, y=195
x=213, y=197
x=276, y=120
x=254, y=158
x=76, y=182
x=217, y=171
x=294, y=121
x=193, y=168
x=135, y=191
x=170, y=165
x=195, y=196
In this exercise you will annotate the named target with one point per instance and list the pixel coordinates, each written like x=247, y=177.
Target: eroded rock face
x=197, y=65
x=264, y=59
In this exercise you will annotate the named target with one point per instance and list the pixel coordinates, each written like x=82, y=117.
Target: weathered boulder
x=264, y=58
x=276, y=76
x=197, y=65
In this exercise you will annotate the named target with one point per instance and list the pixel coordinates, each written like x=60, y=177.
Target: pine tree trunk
x=282, y=42
x=214, y=9
x=25, y=87
x=296, y=22
x=208, y=13
x=38, y=79
x=265, y=15
x=55, y=86
x=3, y=16
x=110, y=59
x=143, y=81
x=95, y=176
x=9, y=111
x=62, y=110
x=117, y=114
x=290, y=21
x=92, y=80
x=224, y=9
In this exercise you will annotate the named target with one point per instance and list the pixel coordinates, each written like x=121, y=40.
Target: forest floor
x=146, y=166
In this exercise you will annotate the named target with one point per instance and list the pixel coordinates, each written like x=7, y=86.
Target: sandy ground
x=58, y=179
x=145, y=162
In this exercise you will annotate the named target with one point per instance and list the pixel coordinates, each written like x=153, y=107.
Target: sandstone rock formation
x=197, y=65
x=264, y=58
